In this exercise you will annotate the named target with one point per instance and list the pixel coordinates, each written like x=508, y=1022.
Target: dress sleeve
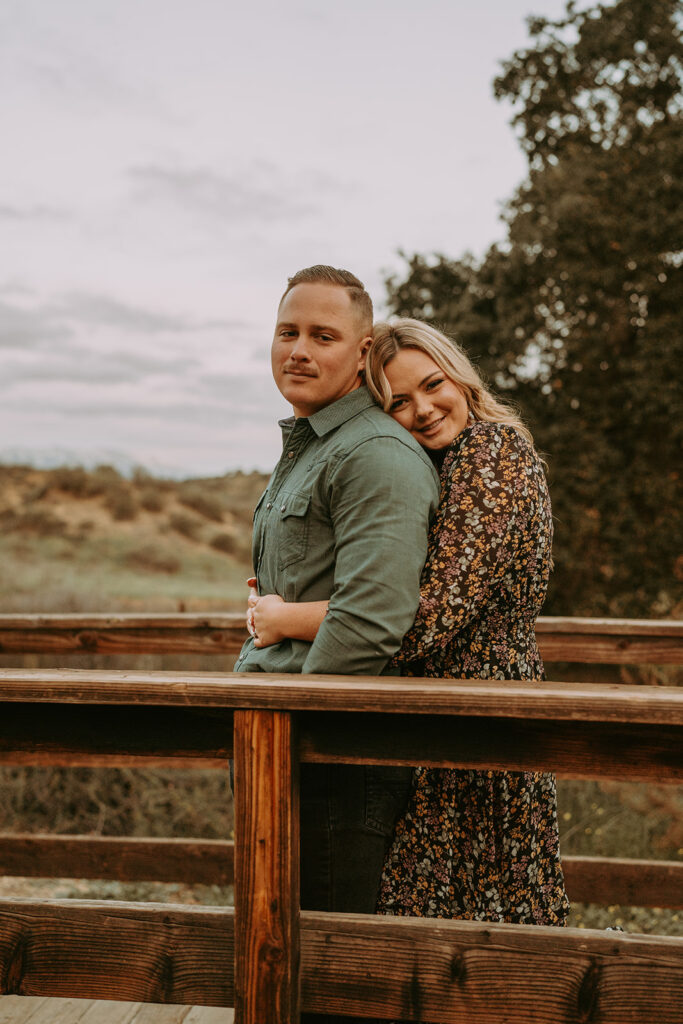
x=488, y=498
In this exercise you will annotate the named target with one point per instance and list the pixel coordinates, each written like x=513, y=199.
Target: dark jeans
x=348, y=814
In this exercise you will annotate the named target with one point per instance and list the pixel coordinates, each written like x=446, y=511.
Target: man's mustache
x=297, y=371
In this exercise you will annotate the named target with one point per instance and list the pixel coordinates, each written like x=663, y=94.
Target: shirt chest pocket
x=292, y=522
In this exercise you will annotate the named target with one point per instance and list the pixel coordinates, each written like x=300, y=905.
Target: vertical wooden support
x=266, y=869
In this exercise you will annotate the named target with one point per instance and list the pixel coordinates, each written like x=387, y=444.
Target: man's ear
x=363, y=354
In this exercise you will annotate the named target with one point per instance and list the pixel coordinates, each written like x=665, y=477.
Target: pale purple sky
x=167, y=165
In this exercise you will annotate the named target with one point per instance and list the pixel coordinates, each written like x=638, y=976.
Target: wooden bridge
x=268, y=959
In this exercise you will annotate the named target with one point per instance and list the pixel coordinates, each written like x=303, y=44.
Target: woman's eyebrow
x=403, y=394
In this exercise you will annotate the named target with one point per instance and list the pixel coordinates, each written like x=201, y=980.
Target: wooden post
x=266, y=869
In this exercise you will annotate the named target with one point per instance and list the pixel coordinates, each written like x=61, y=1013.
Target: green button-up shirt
x=344, y=518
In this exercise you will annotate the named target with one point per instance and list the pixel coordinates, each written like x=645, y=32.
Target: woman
x=478, y=845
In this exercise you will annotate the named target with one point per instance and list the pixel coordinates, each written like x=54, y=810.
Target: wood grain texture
x=633, y=883
x=613, y=750
x=196, y=861
x=267, y=949
x=607, y=641
x=453, y=972
x=599, y=702
x=138, y=952
x=467, y=973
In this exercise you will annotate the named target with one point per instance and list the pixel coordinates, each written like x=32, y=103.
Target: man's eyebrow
x=402, y=394
x=320, y=328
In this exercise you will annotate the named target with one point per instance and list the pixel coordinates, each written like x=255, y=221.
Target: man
x=344, y=518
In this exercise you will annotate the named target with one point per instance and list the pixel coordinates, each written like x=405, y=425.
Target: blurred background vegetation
x=573, y=318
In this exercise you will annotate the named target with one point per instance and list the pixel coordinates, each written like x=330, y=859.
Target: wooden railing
x=381, y=967
x=349, y=964
x=589, y=879
x=606, y=641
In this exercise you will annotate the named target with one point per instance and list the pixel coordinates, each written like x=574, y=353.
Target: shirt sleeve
x=382, y=496
x=486, y=507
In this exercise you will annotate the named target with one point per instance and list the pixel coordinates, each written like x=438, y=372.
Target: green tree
x=575, y=317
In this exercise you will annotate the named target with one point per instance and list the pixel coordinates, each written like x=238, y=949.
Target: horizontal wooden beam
x=77, y=735
x=455, y=972
x=492, y=698
x=150, y=953
x=579, y=750
x=413, y=969
x=608, y=641
x=629, y=882
x=603, y=880
x=195, y=861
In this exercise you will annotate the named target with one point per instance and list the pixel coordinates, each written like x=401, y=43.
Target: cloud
x=43, y=324
x=85, y=366
x=31, y=328
x=178, y=413
x=257, y=195
x=23, y=214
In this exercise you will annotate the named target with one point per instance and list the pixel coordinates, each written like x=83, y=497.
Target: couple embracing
x=406, y=529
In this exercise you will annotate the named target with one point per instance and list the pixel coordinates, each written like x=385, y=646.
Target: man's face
x=319, y=347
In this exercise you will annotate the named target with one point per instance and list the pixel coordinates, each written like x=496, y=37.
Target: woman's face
x=424, y=400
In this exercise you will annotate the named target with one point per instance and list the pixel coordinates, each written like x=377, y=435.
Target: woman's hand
x=267, y=618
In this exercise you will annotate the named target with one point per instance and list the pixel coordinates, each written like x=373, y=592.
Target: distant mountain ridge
x=56, y=457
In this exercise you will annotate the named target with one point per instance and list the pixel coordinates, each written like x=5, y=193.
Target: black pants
x=348, y=814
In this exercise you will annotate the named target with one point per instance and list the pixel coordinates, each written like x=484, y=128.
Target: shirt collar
x=331, y=416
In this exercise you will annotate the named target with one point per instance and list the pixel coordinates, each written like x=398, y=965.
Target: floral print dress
x=481, y=845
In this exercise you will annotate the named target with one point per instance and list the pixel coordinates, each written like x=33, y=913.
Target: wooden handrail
x=411, y=969
x=509, y=698
x=588, y=640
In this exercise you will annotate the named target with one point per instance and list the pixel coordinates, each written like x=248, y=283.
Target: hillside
x=78, y=540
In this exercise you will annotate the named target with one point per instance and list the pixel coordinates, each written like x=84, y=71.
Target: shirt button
x=290, y=455
x=282, y=508
x=269, y=505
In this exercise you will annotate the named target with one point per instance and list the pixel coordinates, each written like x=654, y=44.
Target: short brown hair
x=321, y=274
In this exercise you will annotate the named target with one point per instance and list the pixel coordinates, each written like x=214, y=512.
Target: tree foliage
x=575, y=317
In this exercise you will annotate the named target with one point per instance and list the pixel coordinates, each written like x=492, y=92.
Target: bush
x=71, y=480
x=151, y=500
x=205, y=504
x=188, y=526
x=153, y=558
x=224, y=542
x=121, y=503
x=33, y=520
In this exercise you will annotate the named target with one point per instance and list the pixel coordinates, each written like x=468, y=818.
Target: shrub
x=153, y=558
x=205, y=504
x=224, y=542
x=151, y=500
x=188, y=526
x=121, y=503
x=71, y=480
x=33, y=520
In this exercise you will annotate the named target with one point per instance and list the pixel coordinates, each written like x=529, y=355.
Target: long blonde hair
x=390, y=338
